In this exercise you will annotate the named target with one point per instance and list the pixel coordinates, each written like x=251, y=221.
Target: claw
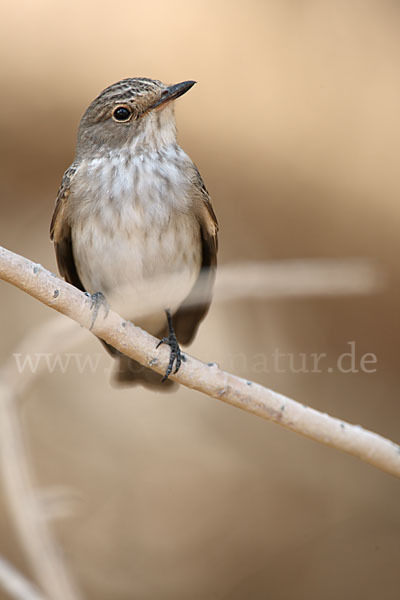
x=98, y=299
x=176, y=355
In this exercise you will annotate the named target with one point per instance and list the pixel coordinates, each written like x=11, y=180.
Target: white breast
x=133, y=233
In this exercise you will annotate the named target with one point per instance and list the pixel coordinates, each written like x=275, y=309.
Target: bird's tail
x=129, y=372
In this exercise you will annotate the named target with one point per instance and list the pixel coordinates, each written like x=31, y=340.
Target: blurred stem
x=15, y=584
x=29, y=518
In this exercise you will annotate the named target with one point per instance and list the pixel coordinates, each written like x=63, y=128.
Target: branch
x=16, y=584
x=207, y=378
x=29, y=516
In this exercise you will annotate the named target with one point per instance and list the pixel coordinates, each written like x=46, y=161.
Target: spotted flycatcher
x=133, y=221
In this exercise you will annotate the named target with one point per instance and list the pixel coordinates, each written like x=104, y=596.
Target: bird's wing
x=196, y=305
x=60, y=231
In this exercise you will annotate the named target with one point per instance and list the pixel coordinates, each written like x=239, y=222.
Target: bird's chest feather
x=133, y=225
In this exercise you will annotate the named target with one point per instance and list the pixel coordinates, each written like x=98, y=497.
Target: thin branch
x=29, y=512
x=310, y=277
x=15, y=584
x=29, y=517
x=209, y=379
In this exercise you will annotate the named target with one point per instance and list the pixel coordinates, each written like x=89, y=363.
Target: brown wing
x=60, y=231
x=60, y=234
x=193, y=310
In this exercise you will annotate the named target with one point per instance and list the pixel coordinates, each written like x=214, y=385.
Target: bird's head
x=135, y=114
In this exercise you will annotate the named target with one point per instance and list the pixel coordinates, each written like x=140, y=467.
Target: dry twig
x=25, y=504
x=209, y=379
x=15, y=584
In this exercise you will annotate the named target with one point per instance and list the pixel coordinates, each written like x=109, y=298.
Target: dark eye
x=122, y=114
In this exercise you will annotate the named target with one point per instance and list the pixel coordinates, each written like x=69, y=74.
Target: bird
x=133, y=224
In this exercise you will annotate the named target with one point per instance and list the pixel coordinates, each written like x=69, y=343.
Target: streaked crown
x=131, y=108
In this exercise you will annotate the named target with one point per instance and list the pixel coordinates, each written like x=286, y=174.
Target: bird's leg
x=176, y=355
x=98, y=299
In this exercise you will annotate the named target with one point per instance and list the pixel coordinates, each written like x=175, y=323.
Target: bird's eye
x=122, y=114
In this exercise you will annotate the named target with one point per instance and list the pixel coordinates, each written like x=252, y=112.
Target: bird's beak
x=173, y=92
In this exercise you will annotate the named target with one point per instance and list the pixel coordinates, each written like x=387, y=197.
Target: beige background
x=295, y=126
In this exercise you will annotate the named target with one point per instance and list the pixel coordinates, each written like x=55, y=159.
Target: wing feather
x=195, y=307
x=60, y=231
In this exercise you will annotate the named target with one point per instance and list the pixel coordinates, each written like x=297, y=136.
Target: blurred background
x=295, y=127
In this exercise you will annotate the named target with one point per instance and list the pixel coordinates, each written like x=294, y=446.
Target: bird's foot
x=98, y=299
x=176, y=357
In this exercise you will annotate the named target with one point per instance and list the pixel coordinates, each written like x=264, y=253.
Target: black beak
x=173, y=92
